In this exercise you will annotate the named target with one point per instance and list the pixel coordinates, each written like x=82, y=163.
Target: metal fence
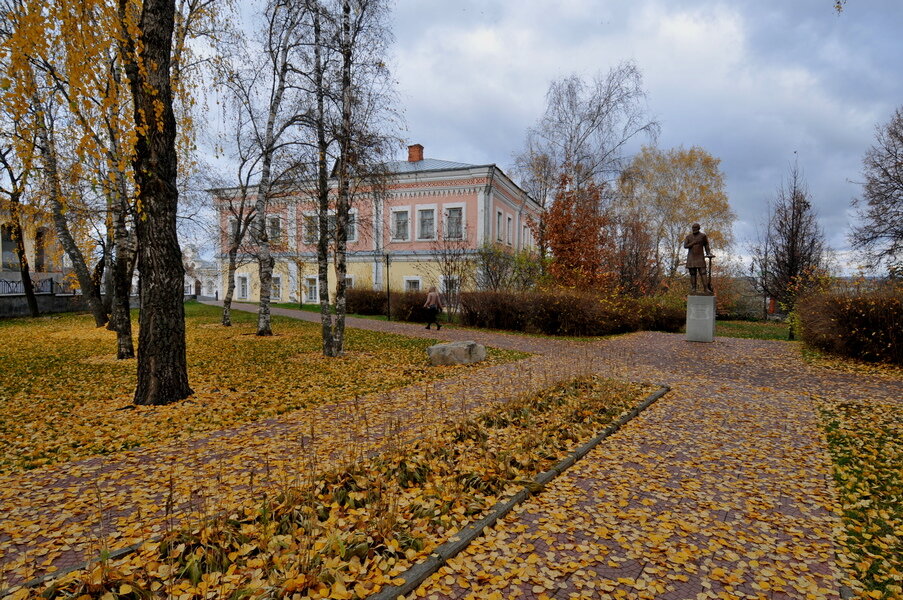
x=41, y=286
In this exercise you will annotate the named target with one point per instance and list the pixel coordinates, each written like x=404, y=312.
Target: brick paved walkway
x=720, y=490
x=72, y=510
x=723, y=419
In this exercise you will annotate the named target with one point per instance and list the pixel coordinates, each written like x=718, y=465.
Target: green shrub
x=365, y=302
x=565, y=312
x=496, y=310
x=860, y=323
x=571, y=313
x=663, y=313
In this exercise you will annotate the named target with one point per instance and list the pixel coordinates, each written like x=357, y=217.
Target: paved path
x=58, y=517
x=720, y=490
x=733, y=453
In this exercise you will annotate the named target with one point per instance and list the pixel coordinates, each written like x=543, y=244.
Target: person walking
x=433, y=306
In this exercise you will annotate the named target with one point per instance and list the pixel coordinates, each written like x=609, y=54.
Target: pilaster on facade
x=461, y=200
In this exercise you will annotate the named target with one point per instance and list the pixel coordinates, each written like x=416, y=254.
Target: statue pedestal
x=700, y=318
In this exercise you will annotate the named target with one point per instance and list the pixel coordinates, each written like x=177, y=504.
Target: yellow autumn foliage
x=63, y=394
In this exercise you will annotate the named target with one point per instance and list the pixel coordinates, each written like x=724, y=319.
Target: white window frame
x=509, y=229
x=349, y=281
x=498, y=225
x=276, y=290
x=278, y=221
x=352, y=218
x=239, y=293
x=331, y=215
x=392, y=233
x=445, y=209
x=445, y=280
x=306, y=229
x=417, y=209
x=307, y=298
x=412, y=278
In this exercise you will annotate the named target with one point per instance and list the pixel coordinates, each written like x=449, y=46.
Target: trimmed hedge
x=866, y=324
x=495, y=310
x=570, y=313
x=663, y=313
x=365, y=302
x=408, y=306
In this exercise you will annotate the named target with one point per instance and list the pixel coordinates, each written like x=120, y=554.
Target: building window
x=451, y=287
x=426, y=224
x=274, y=229
x=276, y=288
x=498, y=226
x=310, y=229
x=412, y=284
x=349, y=282
x=351, y=228
x=509, y=231
x=400, y=226
x=310, y=290
x=40, y=243
x=233, y=228
x=210, y=291
x=525, y=237
x=242, y=284
x=8, y=243
x=454, y=223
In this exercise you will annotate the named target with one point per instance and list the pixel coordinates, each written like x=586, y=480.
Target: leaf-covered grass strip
x=63, y=394
x=348, y=533
x=866, y=442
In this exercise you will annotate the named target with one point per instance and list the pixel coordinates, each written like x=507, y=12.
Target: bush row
x=559, y=312
x=570, y=313
x=864, y=324
x=406, y=306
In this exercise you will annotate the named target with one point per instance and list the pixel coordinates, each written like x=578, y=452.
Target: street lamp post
x=388, y=292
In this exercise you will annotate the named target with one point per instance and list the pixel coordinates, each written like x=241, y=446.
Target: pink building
x=431, y=207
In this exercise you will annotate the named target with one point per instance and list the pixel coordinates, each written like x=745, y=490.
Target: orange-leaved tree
x=577, y=230
x=672, y=189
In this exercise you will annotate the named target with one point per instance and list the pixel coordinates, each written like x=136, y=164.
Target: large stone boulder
x=456, y=353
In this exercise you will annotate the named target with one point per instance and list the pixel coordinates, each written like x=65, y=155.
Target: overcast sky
x=751, y=82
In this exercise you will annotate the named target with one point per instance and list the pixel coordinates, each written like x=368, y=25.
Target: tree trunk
x=262, y=241
x=121, y=315
x=24, y=271
x=230, y=286
x=162, y=369
x=124, y=243
x=343, y=201
x=322, y=192
x=85, y=281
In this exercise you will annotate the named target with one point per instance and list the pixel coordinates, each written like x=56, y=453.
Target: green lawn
x=315, y=308
x=756, y=330
x=61, y=381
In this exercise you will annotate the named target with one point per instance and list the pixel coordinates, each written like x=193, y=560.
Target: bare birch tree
x=880, y=232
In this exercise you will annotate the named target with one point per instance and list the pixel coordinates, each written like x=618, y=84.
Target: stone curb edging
x=470, y=533
x=418, y=573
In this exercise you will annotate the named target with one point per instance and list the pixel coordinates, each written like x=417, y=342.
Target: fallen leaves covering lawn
x=866, y=441
x=755, y=330
x=348, y=533
x=846, y=364
x=63, y=395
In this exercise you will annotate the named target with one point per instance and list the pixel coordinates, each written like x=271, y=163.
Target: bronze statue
x=698, y=251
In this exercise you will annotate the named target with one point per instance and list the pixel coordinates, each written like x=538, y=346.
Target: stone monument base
x=700, y=318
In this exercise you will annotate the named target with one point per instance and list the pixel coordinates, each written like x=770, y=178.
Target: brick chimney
x=415, y=153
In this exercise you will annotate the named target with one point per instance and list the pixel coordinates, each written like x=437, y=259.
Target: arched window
x=10, y=259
